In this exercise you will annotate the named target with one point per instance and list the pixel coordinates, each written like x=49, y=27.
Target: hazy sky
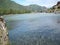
x=47, y=3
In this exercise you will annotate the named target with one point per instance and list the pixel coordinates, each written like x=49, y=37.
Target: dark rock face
x=58, y=5
x=55, y=8
x=3, y=33
x=58, y=2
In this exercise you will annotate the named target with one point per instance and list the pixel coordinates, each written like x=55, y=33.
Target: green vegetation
x=11, y=11
x=36, y=8
x=10, y=7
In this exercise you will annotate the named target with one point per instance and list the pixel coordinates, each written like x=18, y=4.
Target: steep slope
x=55, y=8
x=11, y=7
x=10, y=4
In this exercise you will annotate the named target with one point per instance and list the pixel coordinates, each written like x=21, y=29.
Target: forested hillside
x=10, y=7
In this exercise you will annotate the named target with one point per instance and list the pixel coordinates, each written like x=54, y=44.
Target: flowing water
x=34, y=29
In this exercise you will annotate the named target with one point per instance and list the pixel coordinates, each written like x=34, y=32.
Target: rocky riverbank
x=3, y=32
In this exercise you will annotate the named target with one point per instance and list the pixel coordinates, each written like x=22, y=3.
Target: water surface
x=34, y=29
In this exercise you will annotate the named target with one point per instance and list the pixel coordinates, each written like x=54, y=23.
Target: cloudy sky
x=47, y=3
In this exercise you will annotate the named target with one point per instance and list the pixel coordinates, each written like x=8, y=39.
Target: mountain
x=11, y=7
x=36, y=8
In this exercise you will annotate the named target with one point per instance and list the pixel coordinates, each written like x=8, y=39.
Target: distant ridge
x=36, y=8
x=11, y=7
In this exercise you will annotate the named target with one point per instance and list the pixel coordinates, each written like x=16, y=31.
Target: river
x=33, y=29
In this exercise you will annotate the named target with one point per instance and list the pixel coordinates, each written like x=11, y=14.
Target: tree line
x=11, y=11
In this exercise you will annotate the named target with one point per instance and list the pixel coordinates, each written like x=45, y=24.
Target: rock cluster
x=3, y=32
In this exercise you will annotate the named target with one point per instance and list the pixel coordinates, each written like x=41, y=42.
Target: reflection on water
x=34, y=29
